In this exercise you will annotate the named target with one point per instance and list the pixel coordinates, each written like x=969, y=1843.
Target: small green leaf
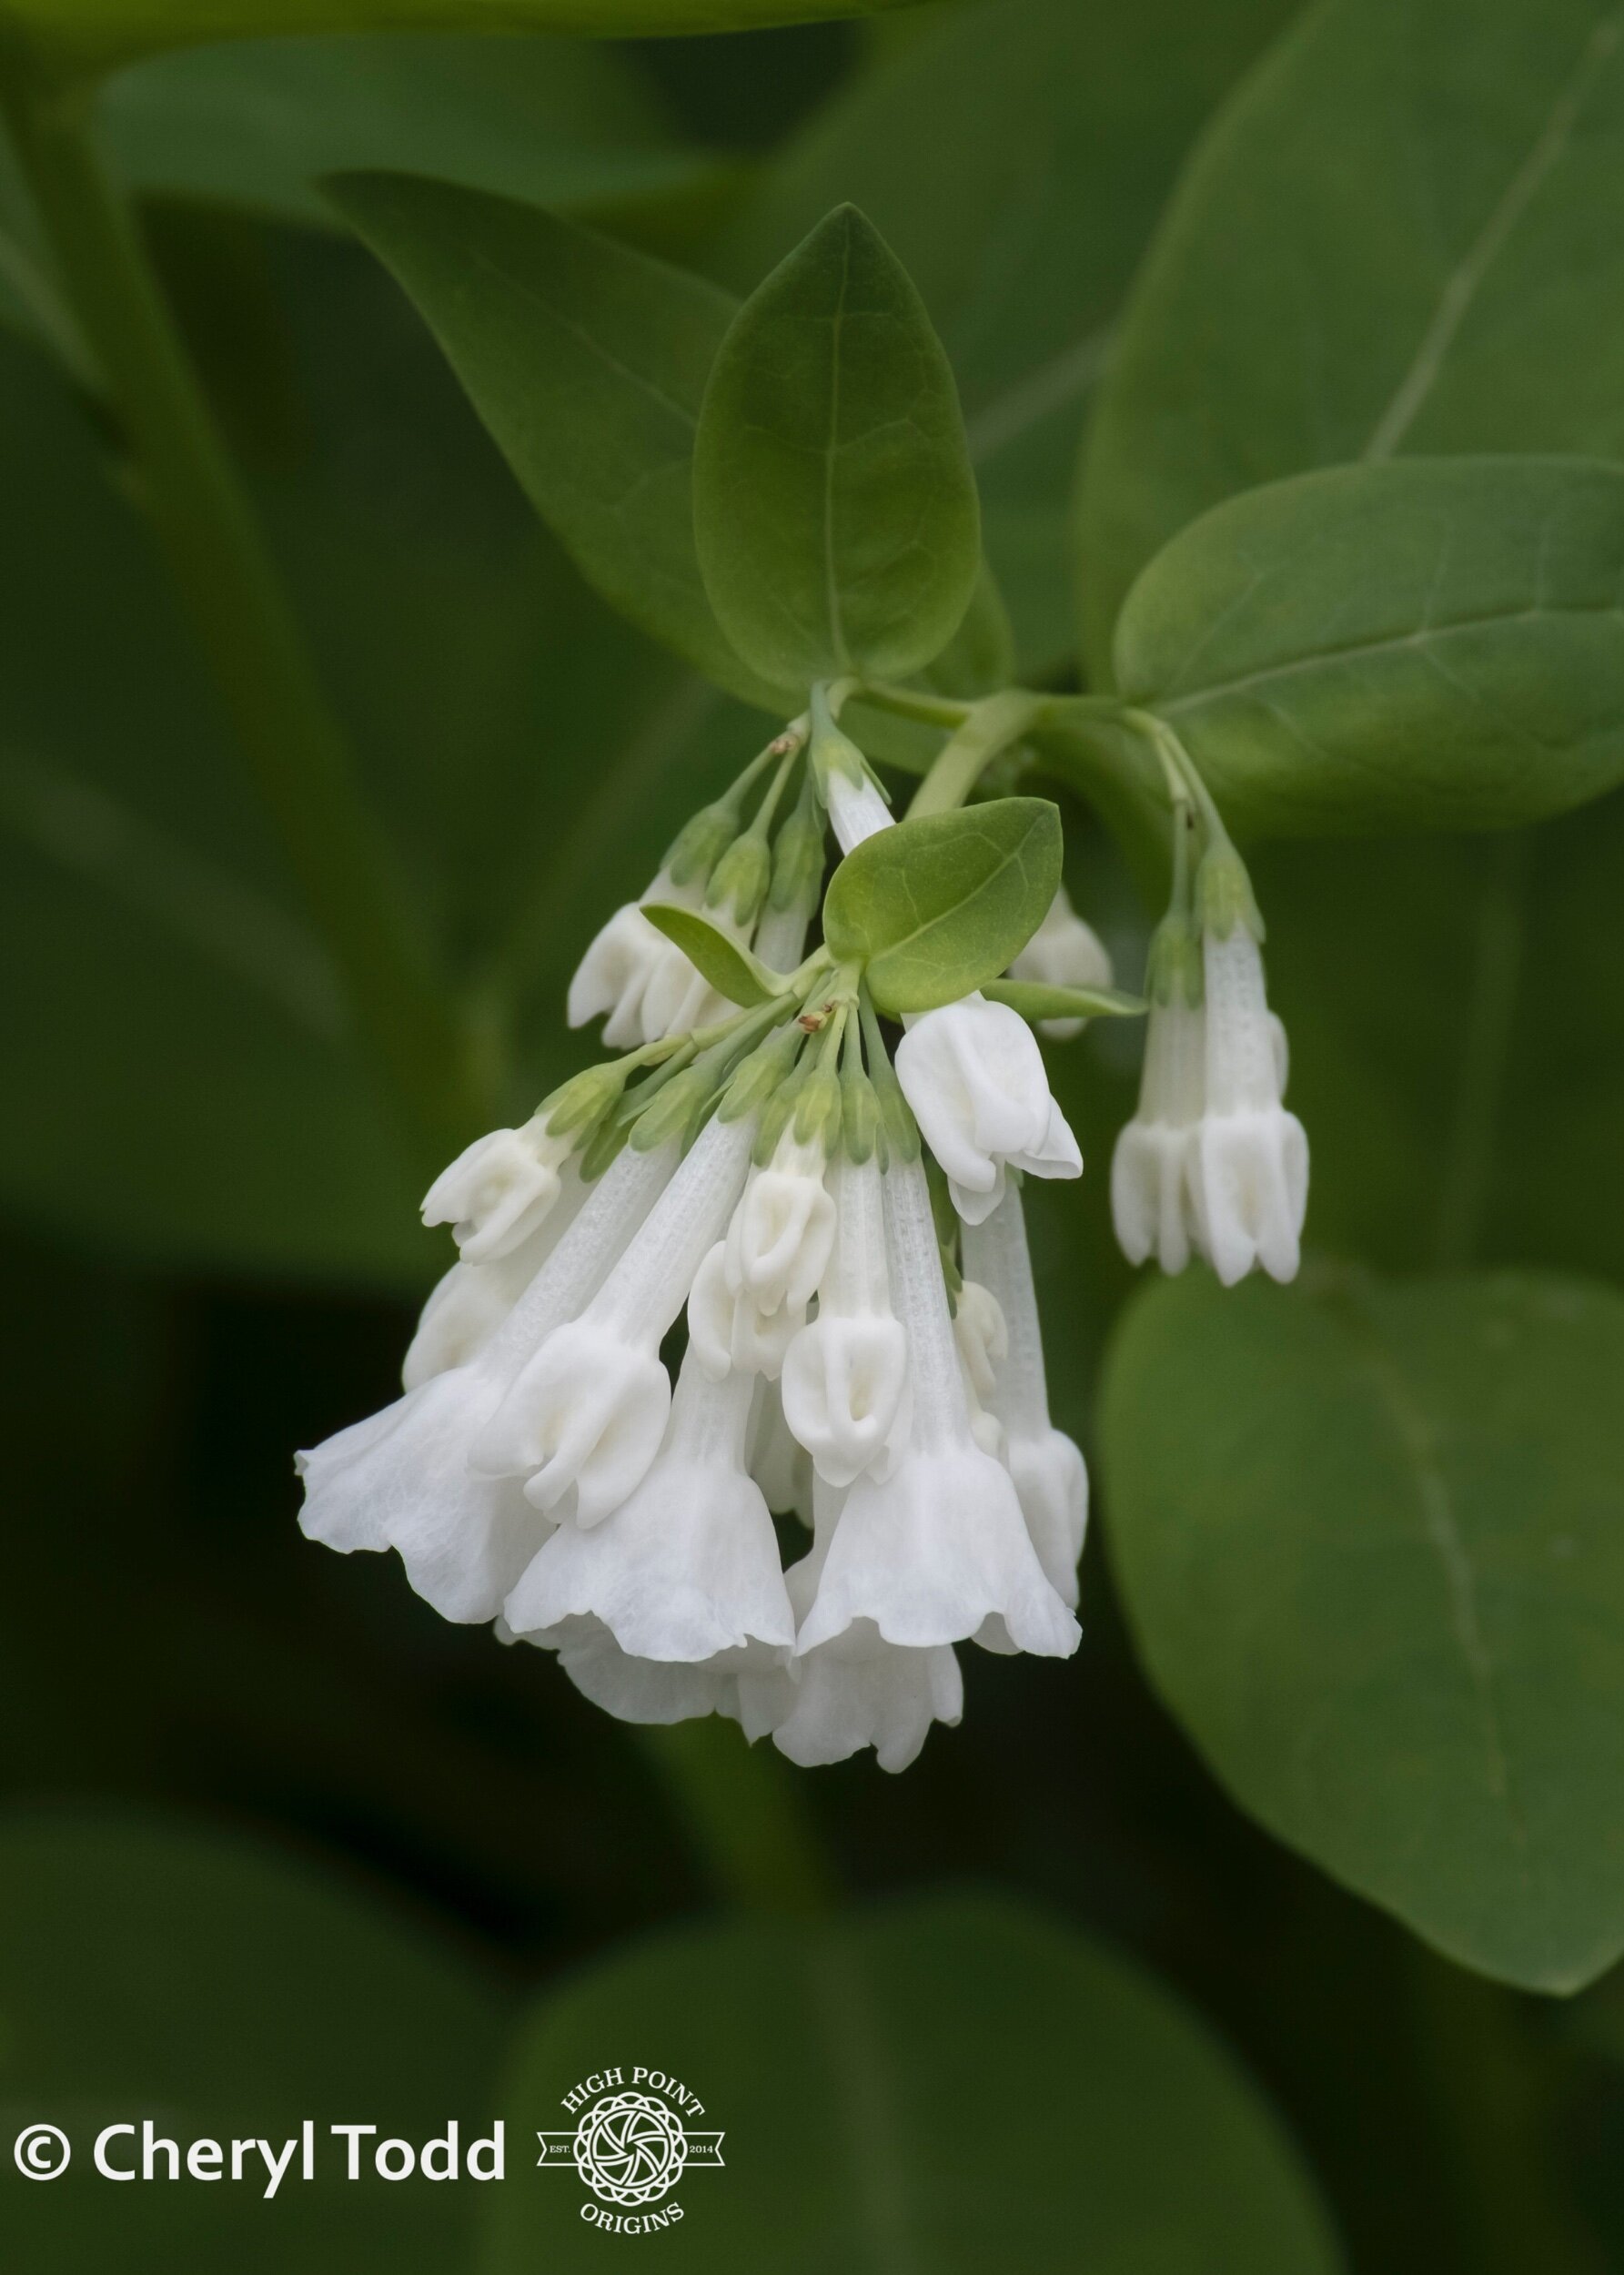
x=948, y=2087
x=588, y=363
x=1431, y=643
x=1035, y=999
x=730, y=969
x=834, y=506
x=1368, y=1539
x=936, y=908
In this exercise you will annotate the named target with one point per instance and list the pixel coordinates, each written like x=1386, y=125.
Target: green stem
x=745, y=1816
x=296, y=751
x=990, y=727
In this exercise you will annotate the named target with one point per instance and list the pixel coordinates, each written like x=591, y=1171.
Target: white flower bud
x=1063, y=952
x=974, y=1075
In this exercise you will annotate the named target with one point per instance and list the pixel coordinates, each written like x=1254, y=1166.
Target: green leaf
x=94, y=35
x=588, y=363
x=257, y=123
x=835, y=507
x=731, y=968
x=1406, y=233
x=1462, y=1074
x=148, y=1968
x=953, y=2085
x=1035, y=999
x=175, y=989
x=1370, y=1545
x=1002, y=149
x=1432, y=644
x=936, y=908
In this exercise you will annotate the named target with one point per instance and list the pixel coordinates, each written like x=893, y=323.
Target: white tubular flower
x=641, y=980
x=499, y=1190
x=688, y=1566
x=982, y=1341
x=401, y=1479
x=856, y=809
x=1153, y=1206
x=780, y=1464
x=1047, y=1468
x=1063, y=952
x=783, y=1230
x=727, y=1331
x=846, y=1375
x=1249, y=1157
x=468, y=1304
x=939, y=1550
x=857, y=1689
x=975, y=1078
x=589, y=1410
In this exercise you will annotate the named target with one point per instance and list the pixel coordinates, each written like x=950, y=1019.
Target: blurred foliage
x=213, y=1243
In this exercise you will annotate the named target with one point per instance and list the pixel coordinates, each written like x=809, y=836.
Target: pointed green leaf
x=731, y=968
x=936, y=908
x=834, y=506
x=1369, y=1538
x=1431, y=643
x=1035, y=999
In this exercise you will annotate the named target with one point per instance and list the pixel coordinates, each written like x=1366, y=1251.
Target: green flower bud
x=583, y=1100
x=701, y=843
x=798, y=860
x=818, y=1110
x=759, y=1076
x=1224, y=897
x=672, y=1108
x=741, y=878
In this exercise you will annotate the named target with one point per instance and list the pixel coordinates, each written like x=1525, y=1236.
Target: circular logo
x=41, y=2152
x=629, y=2149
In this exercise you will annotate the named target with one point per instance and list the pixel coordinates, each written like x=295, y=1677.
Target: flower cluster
x=833, y=1220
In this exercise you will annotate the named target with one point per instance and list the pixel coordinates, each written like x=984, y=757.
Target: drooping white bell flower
x=728, y=1330
x=401, y=1478
x=632, y=1689
x=688, y=1565
x=939, y=1550
x=846, y=1375
x=1063, y=952
x=586, y=1416
x=1248, y=1161
x=467, y=1306
x=499, y=1190
x=1152, y=1205
x=643, y=980
x=857, y=1689
x=974, y=1075
x=1047, y=1467
x=982, y=1341
x=781, y=1234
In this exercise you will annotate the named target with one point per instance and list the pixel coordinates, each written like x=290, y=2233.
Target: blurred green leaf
x=588, y=363
x=1405, y=233
x=96, y=36
x=149, y=1968
x=1015, y=157
x=834, y=509
x=1368, y=1542
x=1457, y=1009
x=1432, y=644
x=952, y=2085
x=937, y=906
x=258, y=123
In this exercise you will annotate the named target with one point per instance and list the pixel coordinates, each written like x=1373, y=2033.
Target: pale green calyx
x=1173, y=971
x=1223, y=895
x=739, y=880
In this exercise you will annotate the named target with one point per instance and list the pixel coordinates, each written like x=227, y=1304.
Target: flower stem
x=746, y=1820
x=296, y=751
x=988, y=727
